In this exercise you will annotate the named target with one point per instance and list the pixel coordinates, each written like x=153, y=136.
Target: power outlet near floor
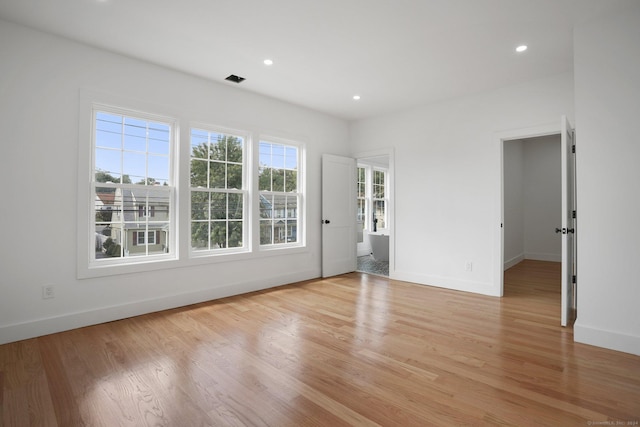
x=468, y=266
x=48, y=292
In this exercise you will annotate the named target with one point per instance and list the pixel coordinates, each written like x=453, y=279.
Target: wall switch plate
x=48, y=292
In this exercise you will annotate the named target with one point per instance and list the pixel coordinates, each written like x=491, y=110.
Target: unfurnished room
x=331, y=213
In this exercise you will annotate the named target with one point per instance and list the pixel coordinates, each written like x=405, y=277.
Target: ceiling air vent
x=235, y=79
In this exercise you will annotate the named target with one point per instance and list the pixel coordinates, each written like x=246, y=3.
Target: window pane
x=108, y=122
x=108, y=167
x=105, y=205
x=291, y=158
x=235, y=206
x=218, y=206
x=292, y=207
x=216, y=175
x=361, y=212
x=277, y=180
x=277, y=156
x=234, y=176
x=218, y=235
x=107, y=246
x=199, y=173
x=279, y=206
x=199, y=205
x=278, y=173
x=108, y=139
x=234, y=149
x=134, y=165
x=266, y=206
x=292, y=231
x=158, y=170
x=135, y=143
x=159, y=135
x=279, y=232
x=266, y=236
x=158, y=206
x=200, y=235
x=235, y=234
x=291, y=181
x=131, y=221
x=264, y=179
x=135, y=134
x=218, y=149
x=199, y=144
x=379, y=213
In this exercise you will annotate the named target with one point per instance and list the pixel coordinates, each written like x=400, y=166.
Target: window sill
x=96, y=270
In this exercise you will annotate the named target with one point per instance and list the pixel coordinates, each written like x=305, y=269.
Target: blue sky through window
x=134, y=147
x=278, y=156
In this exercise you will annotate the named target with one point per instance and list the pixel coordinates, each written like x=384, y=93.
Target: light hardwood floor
x=349, y=350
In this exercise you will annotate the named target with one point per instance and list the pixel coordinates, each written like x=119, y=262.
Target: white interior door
x=338, y=215
x=568, y=224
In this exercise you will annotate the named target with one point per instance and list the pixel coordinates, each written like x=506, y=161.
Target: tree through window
x=217, y=191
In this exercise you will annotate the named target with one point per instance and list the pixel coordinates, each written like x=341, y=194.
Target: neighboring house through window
x=131, y=185
x=134, y=192
x=280, y=198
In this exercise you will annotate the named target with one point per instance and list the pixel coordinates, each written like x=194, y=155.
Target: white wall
x=41, y=78
x=542, y=198
x=607, y=99
x=448, y=175
x=513, y=172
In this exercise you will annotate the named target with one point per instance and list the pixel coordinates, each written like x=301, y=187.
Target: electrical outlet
x=48, y=292
x=468, y=266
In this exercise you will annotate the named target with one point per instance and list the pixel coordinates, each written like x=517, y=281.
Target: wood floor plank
x=348, y=350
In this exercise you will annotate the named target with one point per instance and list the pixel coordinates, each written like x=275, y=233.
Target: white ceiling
x=394, y=53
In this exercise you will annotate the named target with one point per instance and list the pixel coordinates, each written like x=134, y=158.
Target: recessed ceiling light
x=521, y=48
x=268, y=62
x=356, y=97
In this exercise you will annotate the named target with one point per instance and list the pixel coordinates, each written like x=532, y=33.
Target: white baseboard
x=607, y=339
x=455, y=284
x=539, y=256
x=513, y=261
x=65, y=322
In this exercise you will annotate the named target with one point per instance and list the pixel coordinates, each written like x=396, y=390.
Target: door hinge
x=573, y=214
x=575, y=279
x=573, y=148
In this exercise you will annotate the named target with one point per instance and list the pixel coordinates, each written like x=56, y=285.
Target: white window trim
x=87, y=265
x=181, y=256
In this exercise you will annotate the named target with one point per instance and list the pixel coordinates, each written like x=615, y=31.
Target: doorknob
x=326, y=221
x=566, y=230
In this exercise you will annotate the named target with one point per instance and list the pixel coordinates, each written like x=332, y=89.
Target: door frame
x=502, y=137
x=390, y=153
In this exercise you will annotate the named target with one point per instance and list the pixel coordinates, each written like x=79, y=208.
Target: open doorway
x=532, y=200
x=567, y=220
x=375, y=212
